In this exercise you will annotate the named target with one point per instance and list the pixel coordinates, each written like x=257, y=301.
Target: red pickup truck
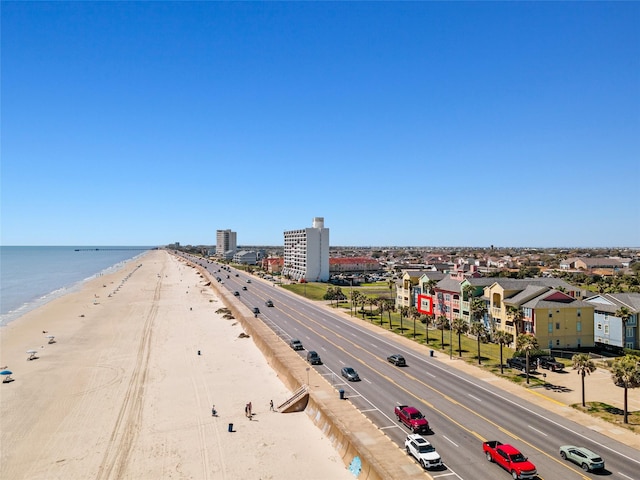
x=509, y=458
x=412, y=418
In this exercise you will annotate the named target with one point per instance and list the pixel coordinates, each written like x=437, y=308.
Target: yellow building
x=555, y=314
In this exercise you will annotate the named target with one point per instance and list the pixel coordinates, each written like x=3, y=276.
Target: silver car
x=582, y=456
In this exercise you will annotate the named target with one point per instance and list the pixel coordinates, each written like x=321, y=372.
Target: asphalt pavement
x=562, y=390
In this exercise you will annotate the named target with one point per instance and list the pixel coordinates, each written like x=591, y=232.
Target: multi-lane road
x=461, y=410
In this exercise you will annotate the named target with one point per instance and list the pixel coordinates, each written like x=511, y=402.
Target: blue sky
x=400, y=123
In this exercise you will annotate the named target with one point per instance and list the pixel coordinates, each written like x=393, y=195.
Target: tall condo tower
x=306, y=253
x=225, y=241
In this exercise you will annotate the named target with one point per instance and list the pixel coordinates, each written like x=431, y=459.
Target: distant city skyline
x=513, y=124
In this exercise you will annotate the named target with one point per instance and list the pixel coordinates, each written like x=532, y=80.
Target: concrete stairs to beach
x=297, y=401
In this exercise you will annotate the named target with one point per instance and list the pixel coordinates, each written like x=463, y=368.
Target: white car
x=582, y=456
x=422, y=451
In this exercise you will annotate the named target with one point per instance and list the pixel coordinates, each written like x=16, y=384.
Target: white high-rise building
x=225, y=242
x=306, y=253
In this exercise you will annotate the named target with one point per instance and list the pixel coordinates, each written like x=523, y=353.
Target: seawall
x=363, y=447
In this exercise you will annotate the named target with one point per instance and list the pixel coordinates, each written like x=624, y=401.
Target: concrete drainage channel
x=365, y=450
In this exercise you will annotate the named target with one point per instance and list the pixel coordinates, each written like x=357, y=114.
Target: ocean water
x=33, y=276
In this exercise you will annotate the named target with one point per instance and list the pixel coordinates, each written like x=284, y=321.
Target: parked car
x=269, y=303
x=350, y=374
x=582, y=456
x=256, y=310
x=248, y=280
x=236, y=293
x=550, y=363
x=244, y=288
x=397, y=359
x=313, y=358
x=422, y=451
x=296, y=344
x=520, y=363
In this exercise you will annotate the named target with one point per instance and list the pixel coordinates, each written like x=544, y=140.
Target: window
x=550, y=314
x=550, y=327
x=557, y=325
x=578, y=326
x=606, y=329
x=447, y=297
x=629, y=333
x=599, y=326
x=558, y=343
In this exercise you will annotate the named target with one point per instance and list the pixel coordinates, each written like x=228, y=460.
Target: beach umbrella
x=32, y=351
x=50, y=336
x=6, y=372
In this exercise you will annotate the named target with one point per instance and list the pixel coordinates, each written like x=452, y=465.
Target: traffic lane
x=423, y=397
x=573, y=432
x=355, y=334
x=533, y=418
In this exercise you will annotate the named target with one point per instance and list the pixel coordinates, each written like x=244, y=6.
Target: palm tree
x=404, y=311
x=459, y=326
x=502, y=338
x=428, y=320
x=355, y=300
x=382, y=306
x=526, y=343
x=430, y=286
x=372, y=302
x=391, y=306
x=624, y=314
x=478, y=329
x=584, y=365
x=413, y=314
x=516, y=315
x=364, y=300
x=625, y=373
x=442, y=322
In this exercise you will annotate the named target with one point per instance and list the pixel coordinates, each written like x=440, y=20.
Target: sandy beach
x=140, y=356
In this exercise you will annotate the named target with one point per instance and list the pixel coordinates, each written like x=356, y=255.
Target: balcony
x=496, y=312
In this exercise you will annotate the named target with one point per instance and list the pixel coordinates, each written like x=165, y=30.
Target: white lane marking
x=536, y=430
x=368, y=381
x=474, y=397
x=448, y=439
x=625, y=476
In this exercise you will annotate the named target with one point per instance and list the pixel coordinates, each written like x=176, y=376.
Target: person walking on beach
x=271, y=406
x=213, y=411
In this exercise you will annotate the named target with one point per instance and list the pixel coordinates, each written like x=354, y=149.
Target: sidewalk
x=564, y=388
x=566, y=391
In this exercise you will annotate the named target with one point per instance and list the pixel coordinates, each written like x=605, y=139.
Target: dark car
x=313, y=358
x=519, y=363
x=296, y=344
x=244, y=288
x=550, y=363
x=350, y=374
x=397, y=359
x=269, y=303
x=236, y=293
x=256, y=310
